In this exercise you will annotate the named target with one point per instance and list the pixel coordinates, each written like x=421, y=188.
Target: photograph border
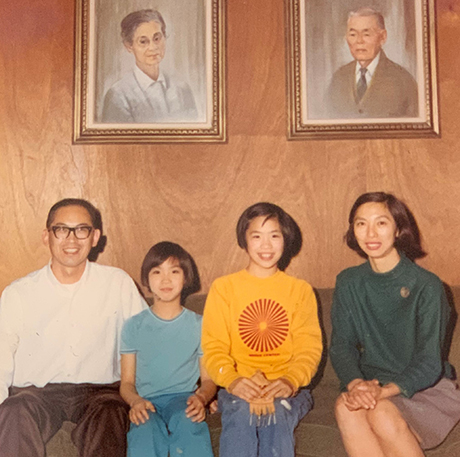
x=299, y=130
x=215, y=131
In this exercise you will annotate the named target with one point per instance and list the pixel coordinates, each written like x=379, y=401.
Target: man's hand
x=139, y=411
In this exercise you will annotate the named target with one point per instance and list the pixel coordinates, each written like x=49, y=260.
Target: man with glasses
x=59, y=341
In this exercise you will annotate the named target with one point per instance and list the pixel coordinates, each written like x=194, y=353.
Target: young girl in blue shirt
x=161, y=362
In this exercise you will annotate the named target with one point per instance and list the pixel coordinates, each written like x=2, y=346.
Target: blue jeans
x=169, y=432
x=241, y=435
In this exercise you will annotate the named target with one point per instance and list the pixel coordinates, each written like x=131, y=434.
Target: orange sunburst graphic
x=263, y=325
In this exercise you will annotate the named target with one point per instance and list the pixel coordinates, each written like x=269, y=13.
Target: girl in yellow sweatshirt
x=261, y=339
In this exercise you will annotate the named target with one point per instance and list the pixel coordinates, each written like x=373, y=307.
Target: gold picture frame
x=115, y=100
x=322, y=97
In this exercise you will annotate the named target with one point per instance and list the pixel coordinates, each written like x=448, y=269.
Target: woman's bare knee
x=386, y=421
x=347, y=419
x=341, y=411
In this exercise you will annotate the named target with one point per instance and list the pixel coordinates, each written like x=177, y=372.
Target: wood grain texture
x=194, y=194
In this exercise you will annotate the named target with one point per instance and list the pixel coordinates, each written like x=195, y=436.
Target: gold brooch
x=405, y=292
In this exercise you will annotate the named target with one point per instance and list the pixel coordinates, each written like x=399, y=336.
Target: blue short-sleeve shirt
x=167, y=352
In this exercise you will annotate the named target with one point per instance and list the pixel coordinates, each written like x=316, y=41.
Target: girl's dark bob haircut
x=291, y=232
x=161, y=252
x=408, y=238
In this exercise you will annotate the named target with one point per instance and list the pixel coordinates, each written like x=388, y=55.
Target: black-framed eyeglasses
x=81, y=232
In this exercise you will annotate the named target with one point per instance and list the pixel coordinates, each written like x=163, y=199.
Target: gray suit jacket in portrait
x=127, y=102
x=392, y=93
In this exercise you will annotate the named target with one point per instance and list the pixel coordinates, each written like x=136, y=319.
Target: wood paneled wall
x=193, y=194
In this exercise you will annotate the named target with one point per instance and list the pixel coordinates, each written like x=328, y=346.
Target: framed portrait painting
x=148, y=74
x=361, y=69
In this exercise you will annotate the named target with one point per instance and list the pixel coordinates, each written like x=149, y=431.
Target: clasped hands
x=250, y=389
x=363, y=394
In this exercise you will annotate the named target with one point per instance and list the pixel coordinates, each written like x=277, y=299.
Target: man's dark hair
x=292, y=235
x=94, y=213
x=408, y=238
x=161, y=252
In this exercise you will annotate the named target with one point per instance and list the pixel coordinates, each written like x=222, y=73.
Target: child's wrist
x=233, y=384
x=201, y=397
x=134, y=402
x=289, y=384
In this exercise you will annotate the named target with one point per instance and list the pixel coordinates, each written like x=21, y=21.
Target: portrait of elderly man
x=372, y=85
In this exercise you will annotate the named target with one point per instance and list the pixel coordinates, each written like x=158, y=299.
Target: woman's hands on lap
x=363, y=394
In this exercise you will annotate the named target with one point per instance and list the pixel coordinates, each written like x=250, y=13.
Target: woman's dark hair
x=408, y=238
x=133, y=20
x=292, y=235
x=161, y=252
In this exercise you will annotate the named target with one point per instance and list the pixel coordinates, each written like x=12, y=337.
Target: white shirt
x=155, y=90
x=370, y=70
x=145, y=80
x=53, y=332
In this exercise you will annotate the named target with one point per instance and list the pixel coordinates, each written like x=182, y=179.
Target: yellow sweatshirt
x=270, y=324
